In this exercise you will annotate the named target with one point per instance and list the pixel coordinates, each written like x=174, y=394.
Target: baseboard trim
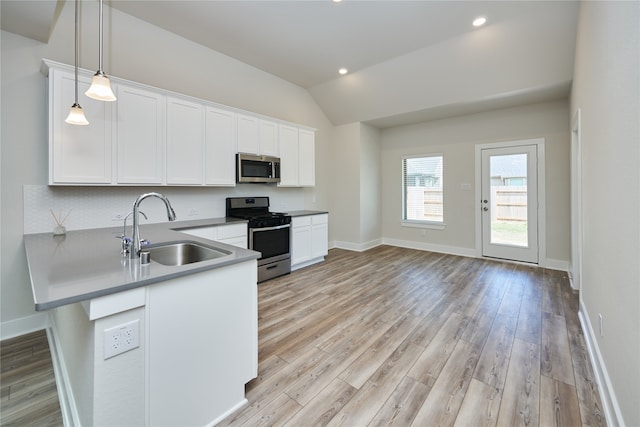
x=555, y=264
x=357, y=247
x=445, y=249
x=24, y=325
x=610, y=406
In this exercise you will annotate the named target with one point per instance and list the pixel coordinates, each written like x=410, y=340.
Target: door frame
x=542, y=227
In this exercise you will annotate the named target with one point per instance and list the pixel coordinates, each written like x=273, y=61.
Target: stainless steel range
x=269, y=234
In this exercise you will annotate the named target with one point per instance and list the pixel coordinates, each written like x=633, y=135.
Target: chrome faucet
x=135, y=237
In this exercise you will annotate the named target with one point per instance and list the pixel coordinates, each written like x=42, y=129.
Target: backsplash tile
x=94, y=207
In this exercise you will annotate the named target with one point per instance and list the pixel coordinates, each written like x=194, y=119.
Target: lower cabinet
x=202, y=345
x=231, y=234
x=309, y=240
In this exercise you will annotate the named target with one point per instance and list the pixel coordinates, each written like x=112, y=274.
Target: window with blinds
x=422, y=189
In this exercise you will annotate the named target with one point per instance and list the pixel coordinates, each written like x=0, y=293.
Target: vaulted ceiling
x=408, y=61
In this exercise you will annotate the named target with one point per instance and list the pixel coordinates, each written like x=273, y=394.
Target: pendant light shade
x=76, y=115
x=100, y=86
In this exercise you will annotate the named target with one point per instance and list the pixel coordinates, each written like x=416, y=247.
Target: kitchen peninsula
x=182, y=327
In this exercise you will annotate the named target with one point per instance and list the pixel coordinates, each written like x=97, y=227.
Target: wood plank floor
x=29, y=395
x=402, y=337
x=395, y=336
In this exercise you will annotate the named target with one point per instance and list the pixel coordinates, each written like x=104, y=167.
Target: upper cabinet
x=306, y=158
x=220, y=147
x=297, y=157
x=185, y=142
x=150, y=136
x=141, y=137
x=78, y=154
x=248, y=134
x=268, y=138
x=257, y=136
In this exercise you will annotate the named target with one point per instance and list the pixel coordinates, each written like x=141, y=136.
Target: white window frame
x=434, y=225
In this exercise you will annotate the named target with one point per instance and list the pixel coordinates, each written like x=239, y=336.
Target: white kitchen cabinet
x=248, y=134
x=257, y=136
x=185, y=142
x=78, y=154
x=231, y=234
x=309, y=240
x=268, y=144
x=151, y=137
x=140, y=136
x=203, y=344
x=288, y=141
x=300, y=240
x=306, y=158
x=297, y=157
x=319, y=236
x=220, y=147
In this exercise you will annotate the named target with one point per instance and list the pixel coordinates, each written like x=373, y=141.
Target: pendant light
x=100, y=87
x=76, y=115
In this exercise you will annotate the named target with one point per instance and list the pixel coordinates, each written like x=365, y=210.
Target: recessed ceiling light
x=479, y=21
x=343, y=71
x=337, y=1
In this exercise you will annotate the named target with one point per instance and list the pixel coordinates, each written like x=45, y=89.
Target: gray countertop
x=87, y=264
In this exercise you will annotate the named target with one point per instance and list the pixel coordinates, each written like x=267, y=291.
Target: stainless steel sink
x=181, y=253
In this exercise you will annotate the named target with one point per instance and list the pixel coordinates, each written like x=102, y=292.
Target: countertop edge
x=42, y=249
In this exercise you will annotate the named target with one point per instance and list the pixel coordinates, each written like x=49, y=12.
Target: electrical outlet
x=193, y=212
x=121, y=338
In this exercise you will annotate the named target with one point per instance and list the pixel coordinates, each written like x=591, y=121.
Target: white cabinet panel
x=297, y=157
x=268, y=138
x=231, y=234
x=185, y=142
x=300, y=244
x=306, y=158
x=78, y=154
x=248, y=129
x=220, y=147
x=319, y=235
x=202, y=344
x=140, y=132
x=309, y=239
x=288, y=140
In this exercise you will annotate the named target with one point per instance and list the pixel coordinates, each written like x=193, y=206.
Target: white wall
x=370, y=180
x=136, y=51
x=606, y=89
x=456, y=138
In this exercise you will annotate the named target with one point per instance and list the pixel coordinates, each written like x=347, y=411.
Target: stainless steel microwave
x=257, y=169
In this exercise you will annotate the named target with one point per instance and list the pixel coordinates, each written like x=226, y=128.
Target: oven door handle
x=278, y=227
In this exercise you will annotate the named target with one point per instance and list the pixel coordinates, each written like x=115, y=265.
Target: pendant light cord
x=77, y=48
x=100, y=37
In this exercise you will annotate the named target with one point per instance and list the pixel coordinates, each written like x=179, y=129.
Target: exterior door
x=509, y=203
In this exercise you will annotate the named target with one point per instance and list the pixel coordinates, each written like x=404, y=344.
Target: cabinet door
x=319, y=236
x=220, y=147
x=306, y=158
x=140, y=136
x=248, y=134
x=268, y=138
x=185, y=142
x=288, y=140
x=78, y=154
x=300, y=245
